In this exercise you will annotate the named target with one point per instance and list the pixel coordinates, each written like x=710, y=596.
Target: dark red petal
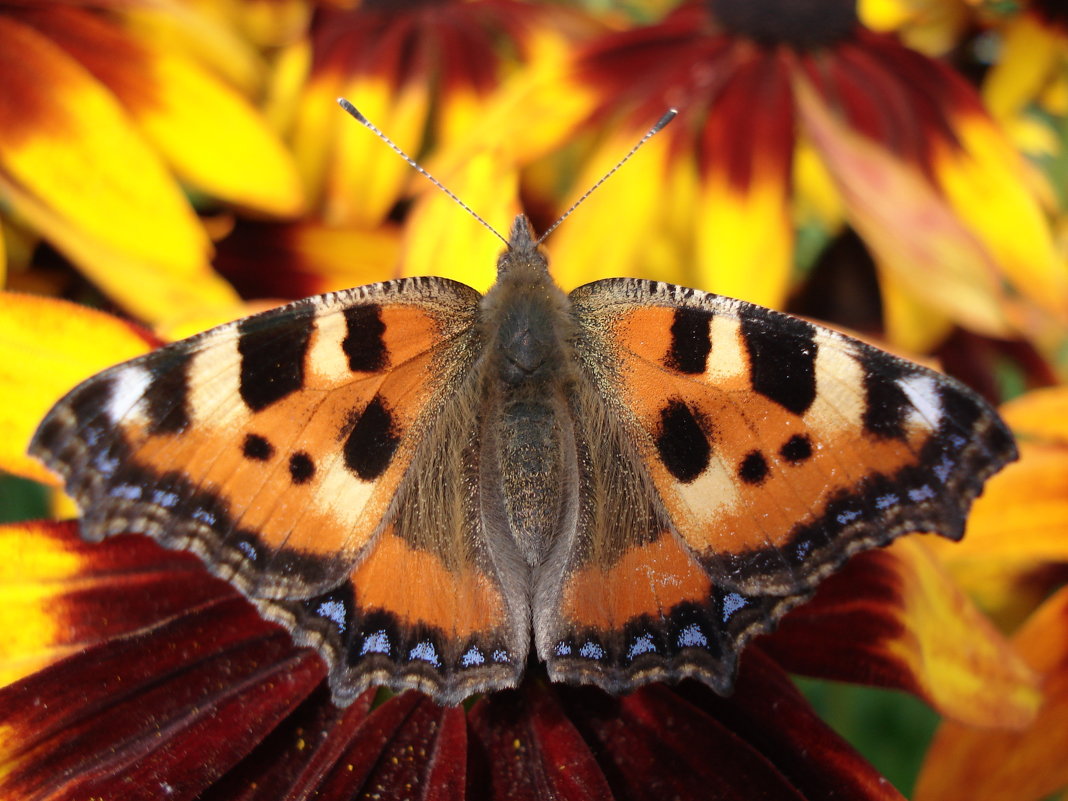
x=768, y=712
x=758, y=101
x=295, y=759
x=765, y=741
x=524, y=747
x=655, y=744
x=409, y=747
x=164, y=713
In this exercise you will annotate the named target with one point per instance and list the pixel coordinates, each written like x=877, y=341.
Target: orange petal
x=894, y=618
x=989, y=765
x=73, y=169
x=1020, y=523
x=46, y=347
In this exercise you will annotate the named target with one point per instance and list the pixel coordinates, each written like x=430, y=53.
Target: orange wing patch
x=419, y=591
x=648, y=580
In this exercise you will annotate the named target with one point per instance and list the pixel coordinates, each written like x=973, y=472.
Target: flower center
x=804, y=24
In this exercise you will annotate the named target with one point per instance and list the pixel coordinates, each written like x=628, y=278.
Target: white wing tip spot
x=127, y=393
x=923, y=392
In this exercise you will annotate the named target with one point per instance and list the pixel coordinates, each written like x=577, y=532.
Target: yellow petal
x=988, y=189
x=235, y=157
x=47, y=347
x=440, y=238
x=32, y=570
x=963, y=664
x=1029, y=52
x=207, y=33
x=360, y=179
x=745, y=237
x=909, y=323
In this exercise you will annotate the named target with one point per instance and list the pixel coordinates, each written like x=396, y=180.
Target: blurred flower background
x=897, y=168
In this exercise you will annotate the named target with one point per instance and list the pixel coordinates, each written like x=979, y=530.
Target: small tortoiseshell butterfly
x=428, y=485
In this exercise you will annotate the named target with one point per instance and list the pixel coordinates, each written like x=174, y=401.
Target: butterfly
x=431, y=486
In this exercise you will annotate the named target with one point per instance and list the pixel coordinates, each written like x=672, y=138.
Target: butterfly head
x=523, y=253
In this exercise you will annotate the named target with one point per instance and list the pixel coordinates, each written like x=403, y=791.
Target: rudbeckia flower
x=795, y=113
x=102, y=127
x=421, y=71
x=429, y=75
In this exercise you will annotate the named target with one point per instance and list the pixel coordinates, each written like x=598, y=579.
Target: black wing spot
x=682, y=442
x=797, y=449
x=257, y=448
x=373, y=440
x=782, y=359
x=272, y=351
x=690, y=341
x=754, y=468
x=167, y=395
x=301, y=468
x=886, y=405
x=363, y=344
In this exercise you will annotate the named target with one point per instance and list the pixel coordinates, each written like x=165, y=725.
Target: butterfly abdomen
x=528, y=451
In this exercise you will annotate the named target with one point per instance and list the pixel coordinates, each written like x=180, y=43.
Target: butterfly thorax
x=527, y=450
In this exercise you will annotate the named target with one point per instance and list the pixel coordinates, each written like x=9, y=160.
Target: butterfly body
x=429, y=486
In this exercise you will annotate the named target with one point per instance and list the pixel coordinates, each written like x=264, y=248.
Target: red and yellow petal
x=60, y=595
x=744, y=245
x=301, y=259
x=908, y=225
x=980, y=764
x=73, y=169
x=894, y=618
x=181, y=699
x=210, y=136
x=47, y=347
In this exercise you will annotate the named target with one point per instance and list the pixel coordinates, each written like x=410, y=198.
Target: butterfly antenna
x=355, y=112
x=661, y=123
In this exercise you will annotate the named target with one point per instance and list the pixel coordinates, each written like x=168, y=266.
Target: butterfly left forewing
x=774, y=449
